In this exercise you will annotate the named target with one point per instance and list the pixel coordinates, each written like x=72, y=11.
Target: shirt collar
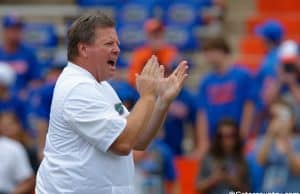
x=80, y=69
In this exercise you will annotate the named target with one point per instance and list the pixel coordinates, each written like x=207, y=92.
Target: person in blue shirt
x=20, y=57
x=272, y=33
x=182, y=111
x=155, y=172
x=40, y=101
x=8, y=100
x=225, y=92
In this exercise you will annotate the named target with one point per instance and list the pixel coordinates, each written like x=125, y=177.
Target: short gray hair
x=83, y=30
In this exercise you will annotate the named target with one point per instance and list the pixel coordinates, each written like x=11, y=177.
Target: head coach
x=91, y=134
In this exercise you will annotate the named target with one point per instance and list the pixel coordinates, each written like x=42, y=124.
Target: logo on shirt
x=119, y=108
x=222, y=93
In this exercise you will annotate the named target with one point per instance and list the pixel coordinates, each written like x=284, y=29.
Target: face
x=102, y=54
x=155, y=40
x=9, y=127
x=12, y=35
x=215, y=58
x=283, y=113
x=228, y=137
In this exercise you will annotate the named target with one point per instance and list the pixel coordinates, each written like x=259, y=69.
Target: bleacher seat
x=40, y=35
x=184, y=38
x=187, y=171
x=290, y=24
x=89, y=3
x=134, y=12
x=278, y=6
x=131, y=36
x=184, y=13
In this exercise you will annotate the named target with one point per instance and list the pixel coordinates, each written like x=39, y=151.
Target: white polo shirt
x=85, y=119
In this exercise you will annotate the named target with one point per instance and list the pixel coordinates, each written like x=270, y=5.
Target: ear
x=82, y=50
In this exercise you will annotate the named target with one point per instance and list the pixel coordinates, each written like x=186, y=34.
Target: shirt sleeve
x=89, y=115
x=22, y=167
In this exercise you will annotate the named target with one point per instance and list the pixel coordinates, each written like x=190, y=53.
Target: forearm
x=137, y=120
x=202, y=141
x=264, y=150
x=157, y=119
x=247, y=119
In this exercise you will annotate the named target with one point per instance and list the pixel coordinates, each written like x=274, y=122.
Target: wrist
x=163, y=103
x=148, y=96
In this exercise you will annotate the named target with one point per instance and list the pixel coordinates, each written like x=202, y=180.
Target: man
x=91, y=134
x=224, y=93
x=21, y=58
x=157, y=45
x=272, y=33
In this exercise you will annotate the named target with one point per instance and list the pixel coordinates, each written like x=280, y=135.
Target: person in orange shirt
x=156, y=44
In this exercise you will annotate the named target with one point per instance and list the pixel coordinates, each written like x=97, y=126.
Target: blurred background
x=234, y=126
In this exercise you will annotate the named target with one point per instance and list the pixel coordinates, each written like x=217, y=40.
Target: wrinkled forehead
x=106, y=34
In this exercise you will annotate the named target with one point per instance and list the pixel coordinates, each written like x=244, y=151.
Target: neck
x=10, y=47
x=223, y=68
x=85, y=65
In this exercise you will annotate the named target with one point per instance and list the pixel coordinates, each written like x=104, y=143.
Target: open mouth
x=111, y=63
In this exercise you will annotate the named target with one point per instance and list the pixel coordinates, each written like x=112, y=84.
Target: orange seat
x=278, y=6
x=252, y=45
x=187, y=170
x=250, y=62
x=291, y=24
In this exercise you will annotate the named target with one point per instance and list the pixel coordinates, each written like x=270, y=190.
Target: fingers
x=155, y=68
x=148, y=65
x=161, y=71
x=182, y=68
x=152, y=67
x=182, y=72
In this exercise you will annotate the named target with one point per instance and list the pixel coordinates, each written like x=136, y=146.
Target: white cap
x=7, y=74
x=288, y=50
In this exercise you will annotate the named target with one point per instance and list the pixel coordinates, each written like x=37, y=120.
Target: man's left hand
x=169, y=87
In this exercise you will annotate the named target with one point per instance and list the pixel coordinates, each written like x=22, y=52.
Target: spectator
x=21, y=58
x=11, y=127
x=272, y=33
x=224, y=92
x=279, y=151
x=126, y=92
x=155, y=170
x=156, y=45
x=224, y=168
x=289, y=76
x=285, y=84
x=181, y=112
x=40, y=101
x=16, y=175
x=8, y=100
x=7, y=78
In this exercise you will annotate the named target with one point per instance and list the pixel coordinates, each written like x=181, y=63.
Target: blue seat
x=134, y=12
x=40, y=35
x=182, y=37
x=184, y=13
x=131, y=36
x=88, y=3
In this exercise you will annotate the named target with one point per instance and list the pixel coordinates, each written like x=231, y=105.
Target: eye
x=109, y=43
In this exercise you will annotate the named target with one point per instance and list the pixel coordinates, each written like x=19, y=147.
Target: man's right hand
x=147, y=81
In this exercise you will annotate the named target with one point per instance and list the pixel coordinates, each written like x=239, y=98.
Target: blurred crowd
x=243, y=126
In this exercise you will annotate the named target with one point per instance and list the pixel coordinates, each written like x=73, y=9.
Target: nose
x=116, y=50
